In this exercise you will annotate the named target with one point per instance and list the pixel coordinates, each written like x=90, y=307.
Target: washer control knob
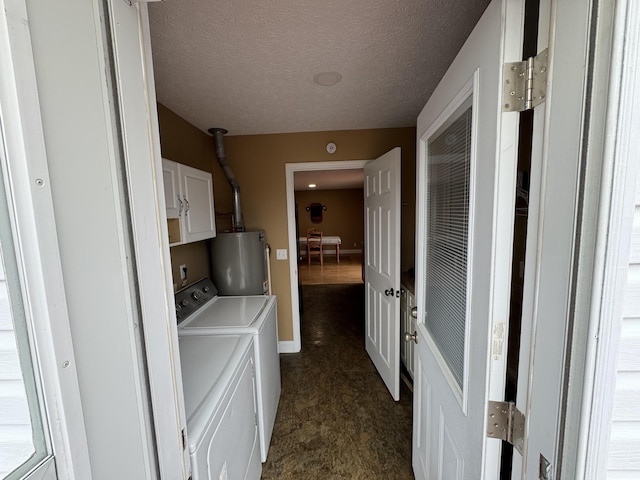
x=206, y=289
x=184, y=303
x=195, y=296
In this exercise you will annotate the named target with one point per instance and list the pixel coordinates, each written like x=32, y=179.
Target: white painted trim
x=622, y=151
x=503, y=233
x=469, y=90
x=290, y=169
x=554, y=217
x=141, y=143
x=287, y=346
x=36, y=242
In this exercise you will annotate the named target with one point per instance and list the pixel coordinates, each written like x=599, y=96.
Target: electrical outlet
x=281, y=254
x=183, y=272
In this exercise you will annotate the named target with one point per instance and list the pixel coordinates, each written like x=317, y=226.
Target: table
x=326, y=240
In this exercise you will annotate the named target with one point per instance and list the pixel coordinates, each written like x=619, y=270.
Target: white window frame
x=469, y=91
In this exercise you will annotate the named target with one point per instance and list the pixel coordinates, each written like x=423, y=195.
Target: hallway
x=336, y=420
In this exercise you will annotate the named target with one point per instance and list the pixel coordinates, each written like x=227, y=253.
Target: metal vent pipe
x=218, y=137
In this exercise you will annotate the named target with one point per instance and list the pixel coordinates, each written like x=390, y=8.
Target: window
x=448, y=185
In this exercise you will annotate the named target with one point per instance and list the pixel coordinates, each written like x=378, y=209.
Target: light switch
x=281, y=254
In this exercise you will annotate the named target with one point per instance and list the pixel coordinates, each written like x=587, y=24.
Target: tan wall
x=183, y=143
x=258, y=162
x=344, y=215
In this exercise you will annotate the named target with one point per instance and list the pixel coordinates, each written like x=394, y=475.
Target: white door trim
x=141, y=145
x=614, y=222
x=294, y=346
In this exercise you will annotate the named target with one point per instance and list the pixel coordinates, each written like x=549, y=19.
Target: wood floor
x=349, y=270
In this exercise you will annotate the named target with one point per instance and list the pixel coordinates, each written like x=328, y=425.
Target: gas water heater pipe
x=218, y=137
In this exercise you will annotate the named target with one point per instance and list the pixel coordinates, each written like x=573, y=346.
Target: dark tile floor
x=336, y=419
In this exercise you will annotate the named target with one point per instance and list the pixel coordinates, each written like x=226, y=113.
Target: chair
x=314, y=244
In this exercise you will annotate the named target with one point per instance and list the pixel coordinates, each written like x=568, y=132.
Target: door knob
x=389, y=292
x=411, y=336
x=414, y=312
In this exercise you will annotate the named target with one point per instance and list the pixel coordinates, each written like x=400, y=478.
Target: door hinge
x=525, y=83
x=506, y=422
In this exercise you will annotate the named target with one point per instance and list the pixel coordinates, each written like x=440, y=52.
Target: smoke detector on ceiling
x=327, y=79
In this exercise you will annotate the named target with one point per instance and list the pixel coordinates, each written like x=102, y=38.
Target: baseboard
x=287, y=346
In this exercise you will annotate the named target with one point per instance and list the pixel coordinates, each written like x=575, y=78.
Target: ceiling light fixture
x=312, y=185
x=327, y=79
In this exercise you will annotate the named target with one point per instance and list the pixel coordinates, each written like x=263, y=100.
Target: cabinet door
x=171, y=188
x=199, y=213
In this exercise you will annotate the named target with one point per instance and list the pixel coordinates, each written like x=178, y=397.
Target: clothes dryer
x=202, y=312
x=220, y=406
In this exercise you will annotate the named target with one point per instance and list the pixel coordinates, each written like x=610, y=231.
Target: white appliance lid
x=208, y=364
x=226, y=312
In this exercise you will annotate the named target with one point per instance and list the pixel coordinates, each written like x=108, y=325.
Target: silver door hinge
x=525, y=83
x=506, y=422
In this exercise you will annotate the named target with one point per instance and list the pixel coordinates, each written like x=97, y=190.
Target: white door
x=382, y=266
x=466, y=172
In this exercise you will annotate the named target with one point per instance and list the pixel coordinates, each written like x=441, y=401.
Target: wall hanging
x=315, y=212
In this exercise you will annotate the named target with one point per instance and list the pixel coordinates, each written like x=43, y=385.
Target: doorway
x=294, y=265
x=330, y=207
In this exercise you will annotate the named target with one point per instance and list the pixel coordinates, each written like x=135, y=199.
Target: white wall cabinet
x=171, y=181
x=188, y=194
x=407, y=324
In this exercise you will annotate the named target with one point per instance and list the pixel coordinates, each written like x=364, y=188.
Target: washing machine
x=202, y=312
x=220, y=405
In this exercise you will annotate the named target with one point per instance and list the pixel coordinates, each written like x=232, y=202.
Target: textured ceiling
x=248, y=66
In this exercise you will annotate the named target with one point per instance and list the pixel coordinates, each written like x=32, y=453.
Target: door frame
x=611, y=167
x=295, y=345
x=37, y=252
